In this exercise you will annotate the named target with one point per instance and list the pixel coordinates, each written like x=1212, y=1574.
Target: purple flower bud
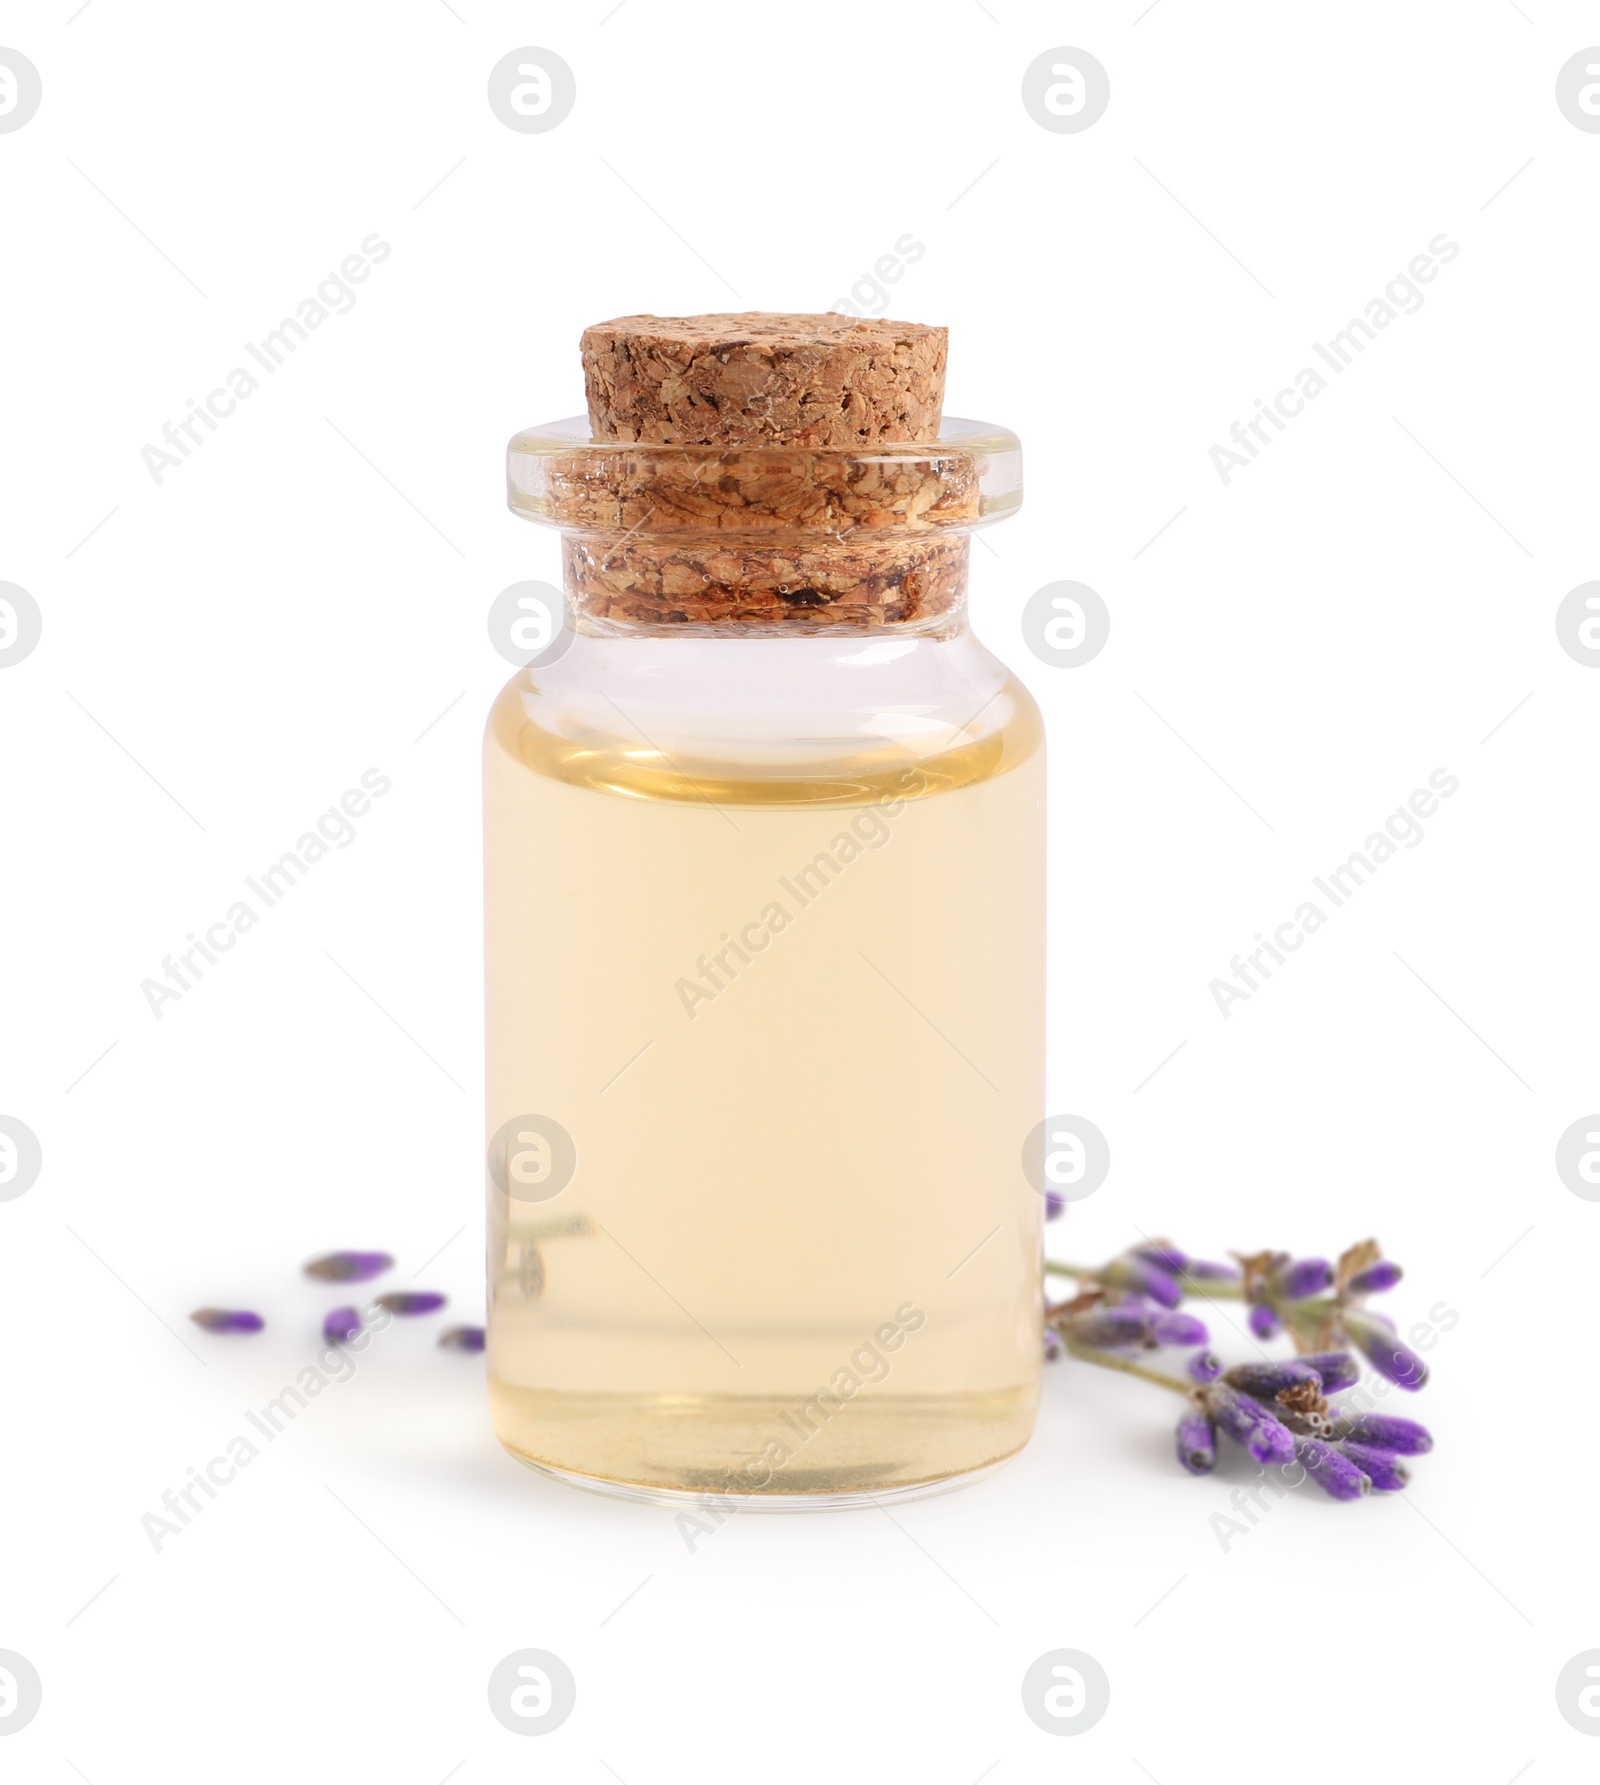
x=1204, y=1366
x=1248, y=1423
x=1111, y=1329
x=1197, y=1442
x=349, y=1267
x=227, y=1320
x=1165, y=1258
x=1054, y=1203
x=1268, y=1379
x=412, y=1301
x=1375, y=1279
x=1389, y=1356
x=1263, y=1321
x=462, y=1338
x=1306, y=1277
x=1382, y=1467
x=1334, y=1474
x=1052, y=1344
x=341, y=1326
x=1148, y=1279
x=1338, y=1370
x=1178, y=1329
x=1201, y=1272
x=1384, y=1431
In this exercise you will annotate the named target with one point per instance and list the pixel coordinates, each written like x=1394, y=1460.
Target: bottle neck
x=767, y=586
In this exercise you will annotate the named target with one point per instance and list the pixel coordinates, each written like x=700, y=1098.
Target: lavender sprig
x=1278, y=1410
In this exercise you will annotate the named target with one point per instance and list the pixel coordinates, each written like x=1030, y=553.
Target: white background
x=304, y=599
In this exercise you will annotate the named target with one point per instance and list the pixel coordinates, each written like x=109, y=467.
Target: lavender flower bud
x=1204, y=1366
x=1197, y=1442
x=1111, y=1329
x=1263, y=1321
x=349, y=1267
x=341, y=1326
x=1267, y=1380
x=1389, y=1355
x=412, y=1301
x=1248, y=1423
x=1054, y=1203
x=1334, y=1474
x=1384, y=1431
x=1385, y=1470
x=1306, y=1277
x=1178, y=1329
x=1338, y=1370
x=227, y=1320
x=1376, y=1278
x=1128, y=1272
x=462, y=1338
x=1201, y=1272
x=1052, y=1344
x=1165, y=1258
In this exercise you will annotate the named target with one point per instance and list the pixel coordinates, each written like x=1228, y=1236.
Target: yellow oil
x=798, y=1258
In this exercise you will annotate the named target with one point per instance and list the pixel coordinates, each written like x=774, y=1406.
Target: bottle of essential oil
x=764, y=863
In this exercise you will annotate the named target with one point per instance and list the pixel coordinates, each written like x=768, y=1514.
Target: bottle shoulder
x=813, y=721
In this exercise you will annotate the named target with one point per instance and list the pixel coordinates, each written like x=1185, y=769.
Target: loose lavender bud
x=412, y=1301
x=227, y=1320
x=1197, y=1442
x=1165, y=1258
x=462, y=1338
x=1334, y=1474
x=1148, y=1279
x=1248, y=1423
x=1266, y=1381
x=1111, y=1329
x=1201, y=1272
x=349, y=1267
x=1376, y=1278
x=1384, y=1431
x=1389, y=1355
x=1338, y=1370
x=1385, y=1470
x=1263, y=1321
x=1204, y=1366
x=1307, y=1277
x=1178, y=1329
x=341, y=1326
x=1054, y=1203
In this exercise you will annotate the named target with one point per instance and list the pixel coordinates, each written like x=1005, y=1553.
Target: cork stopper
x=756, y=475
x=759, y=378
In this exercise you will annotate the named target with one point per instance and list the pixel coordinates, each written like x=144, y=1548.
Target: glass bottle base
x=763, y=1449
x=750, y=1500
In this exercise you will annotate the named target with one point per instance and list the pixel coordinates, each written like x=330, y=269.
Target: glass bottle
x=764, y=866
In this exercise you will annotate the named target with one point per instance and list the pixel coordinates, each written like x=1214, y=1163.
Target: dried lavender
x=341, y=1325
x=462, y=1338
x=1277, y=1410
x=227, y=1320
x=1197, y=1442
x=412, y=1301
x=1381, y=1467
x=349, y=1267
x=1204, y=1366
x=1323, y=1307
x=1388, y=1431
